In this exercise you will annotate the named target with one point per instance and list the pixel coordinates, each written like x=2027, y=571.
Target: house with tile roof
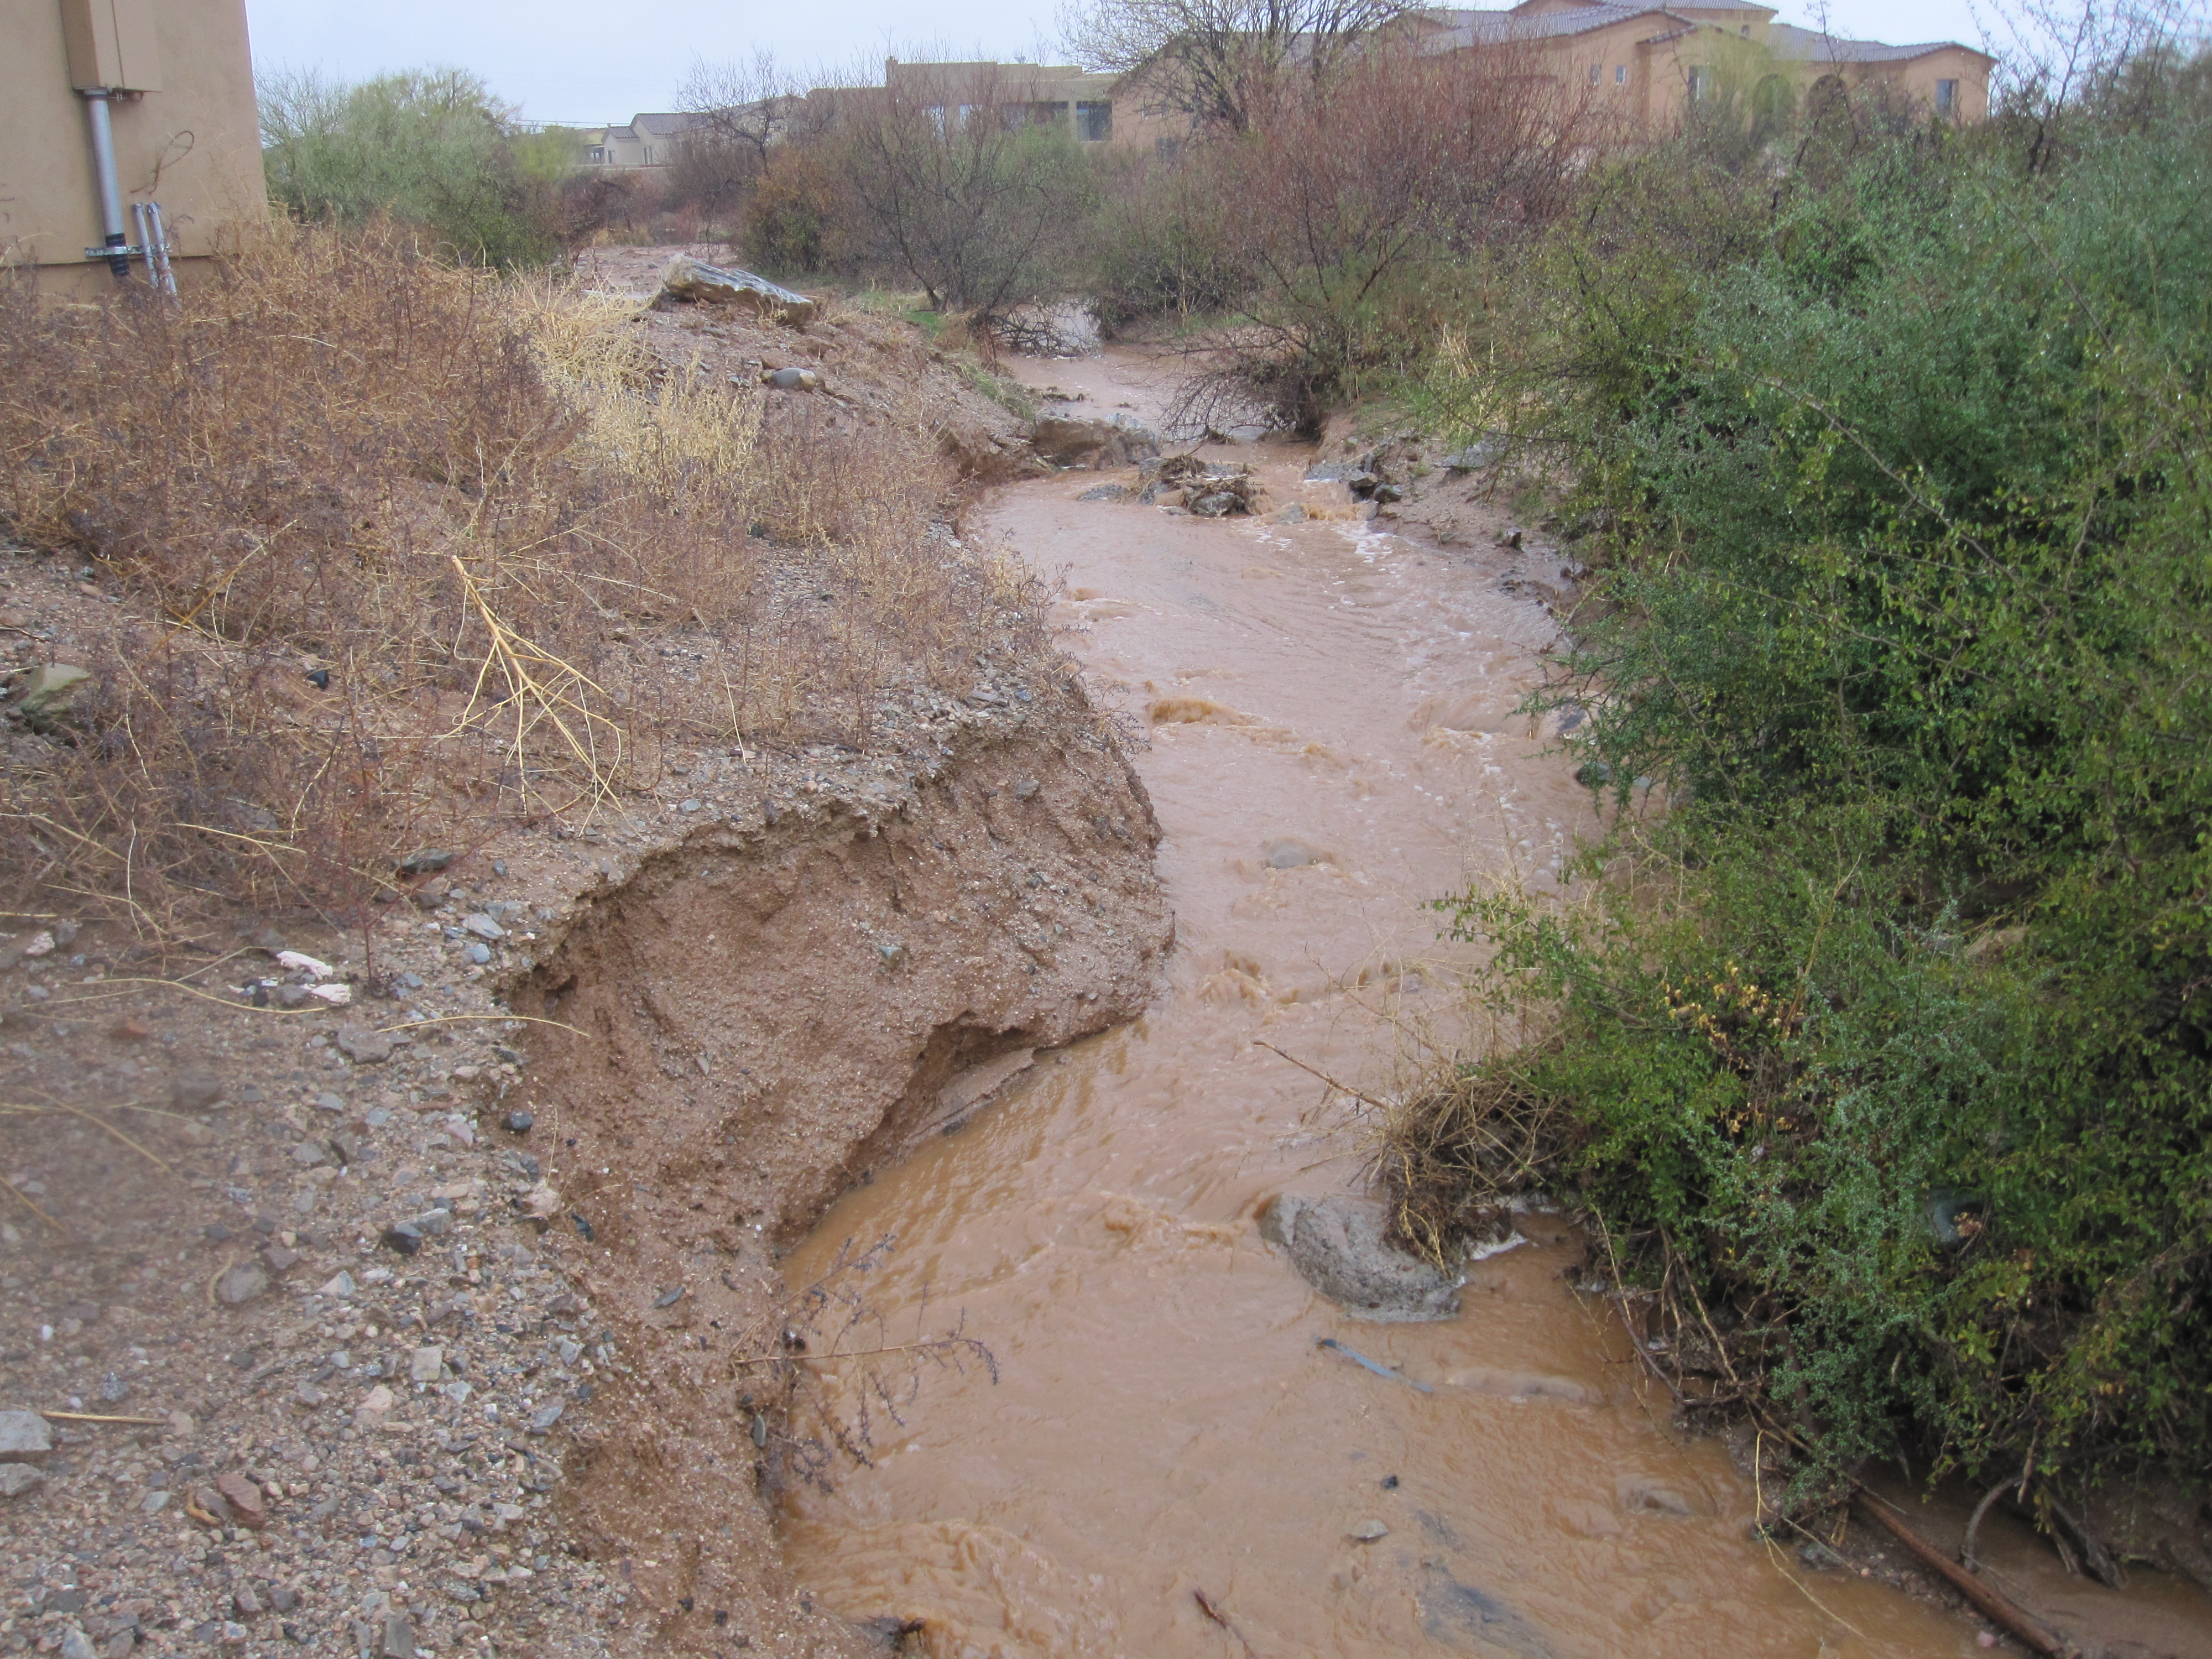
x=1647, y=65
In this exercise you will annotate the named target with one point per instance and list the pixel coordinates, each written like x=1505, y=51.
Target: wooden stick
x=1215, y=1614
x=1976, y=1590
x=97, y=1417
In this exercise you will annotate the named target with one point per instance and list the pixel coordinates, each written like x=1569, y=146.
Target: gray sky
x=588, y=61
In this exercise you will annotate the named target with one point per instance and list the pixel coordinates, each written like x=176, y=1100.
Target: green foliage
x=1903, y=471
x=429, y=147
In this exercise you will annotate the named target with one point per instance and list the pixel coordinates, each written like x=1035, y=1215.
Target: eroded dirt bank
x=763, y=1017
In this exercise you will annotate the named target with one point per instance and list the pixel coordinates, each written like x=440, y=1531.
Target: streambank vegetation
x=1876, y=1034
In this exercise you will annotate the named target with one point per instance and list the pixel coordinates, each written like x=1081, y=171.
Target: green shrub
x=1909, y=618
x=428, y=147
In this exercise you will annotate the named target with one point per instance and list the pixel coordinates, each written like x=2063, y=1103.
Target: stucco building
x=165, y=90
x=1647, y=65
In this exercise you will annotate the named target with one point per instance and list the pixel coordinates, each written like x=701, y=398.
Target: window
x=1744, y=30
x=1946, y=97
x=1094, y=121
x=1701, y=84
x=1167, y=149
x=1596, y=70
x=1620, y=74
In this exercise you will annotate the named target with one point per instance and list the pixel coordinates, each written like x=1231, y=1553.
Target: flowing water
x=1332, y=746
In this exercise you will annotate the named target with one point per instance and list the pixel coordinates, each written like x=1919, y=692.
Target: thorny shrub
x=1884, y=1062
x=526, y=554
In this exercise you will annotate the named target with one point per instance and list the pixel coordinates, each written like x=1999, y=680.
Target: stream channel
x=1331, y=746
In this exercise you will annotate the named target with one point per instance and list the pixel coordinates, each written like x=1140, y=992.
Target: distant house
x=649, y=141
x=105, y=105
x=1095, y=109
x=1649, y=63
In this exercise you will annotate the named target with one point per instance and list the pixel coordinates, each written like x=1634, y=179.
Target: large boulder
x=1065, y=440
x=1337, y=1244
x=686, y=278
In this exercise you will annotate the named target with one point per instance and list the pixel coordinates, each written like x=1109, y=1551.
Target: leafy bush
x=1896, y=1049
x=429, y=147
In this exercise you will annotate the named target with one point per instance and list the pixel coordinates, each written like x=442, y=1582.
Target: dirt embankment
x=759, y=1019
x=335, y=1296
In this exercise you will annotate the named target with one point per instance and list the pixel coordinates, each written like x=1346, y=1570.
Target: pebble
x=363, y=1047
x=374, y=1407
x=403, y=1238
x=519, y=1123
x=339, y=1285
x=1368, y=1531
x=479, y=953
x=195, y=1091
x=24, y=1434
x=426, y=1365
x=16, y=1479
x=485, y=927
x=76, y=1644
x=241, y=1284
x=247, y=1506
x=542, y=1419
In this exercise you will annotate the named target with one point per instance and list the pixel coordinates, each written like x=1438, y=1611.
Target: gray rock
x=1331, y=471
x=485, y=927
x=425, y=862
x=1026, y=789
x=52, y=691
x=398, y=1638
x=478, y=952
x=241, y=1284
x=1068, y=441
x=426, y=1366
x=542, y=1419
x=1337, y=1245
x=1290, y=854
x=685, y=278
x=795, y=380
x=1367, y=1532
x=24, y=1434
x=16, y=1479
x=195, y=1091
x=363, y=1047
x=76, y=1644
x=1106, y=492
x=1476, y=456
x=1293, y=513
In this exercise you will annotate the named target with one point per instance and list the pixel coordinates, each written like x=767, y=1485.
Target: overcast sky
x=590, y=61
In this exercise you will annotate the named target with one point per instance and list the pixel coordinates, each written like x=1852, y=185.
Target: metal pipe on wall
x=111, y=193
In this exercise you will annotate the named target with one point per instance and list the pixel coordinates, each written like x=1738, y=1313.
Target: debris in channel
x=1379, y=1369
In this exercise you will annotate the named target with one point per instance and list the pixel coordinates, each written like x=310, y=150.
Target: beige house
x=1097, y=110
x=109, y=106
x=1646, y=64
x=649, y=141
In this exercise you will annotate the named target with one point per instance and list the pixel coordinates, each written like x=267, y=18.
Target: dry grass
x=489, y=515
x=1453, y=1153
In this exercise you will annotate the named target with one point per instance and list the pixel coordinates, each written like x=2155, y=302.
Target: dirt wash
x=763, y=1017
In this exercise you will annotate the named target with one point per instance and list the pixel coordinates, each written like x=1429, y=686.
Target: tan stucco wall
x=194, y=146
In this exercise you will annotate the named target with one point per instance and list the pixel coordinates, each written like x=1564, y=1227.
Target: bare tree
x=1216, y=60
x=968, y=186
x=745, y=105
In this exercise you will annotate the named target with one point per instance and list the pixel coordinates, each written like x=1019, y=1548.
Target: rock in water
x=1065, y=440
x=1337, y=1245
x=686, y=278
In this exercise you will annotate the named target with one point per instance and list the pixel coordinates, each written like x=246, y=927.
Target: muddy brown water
x=1332, y=746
